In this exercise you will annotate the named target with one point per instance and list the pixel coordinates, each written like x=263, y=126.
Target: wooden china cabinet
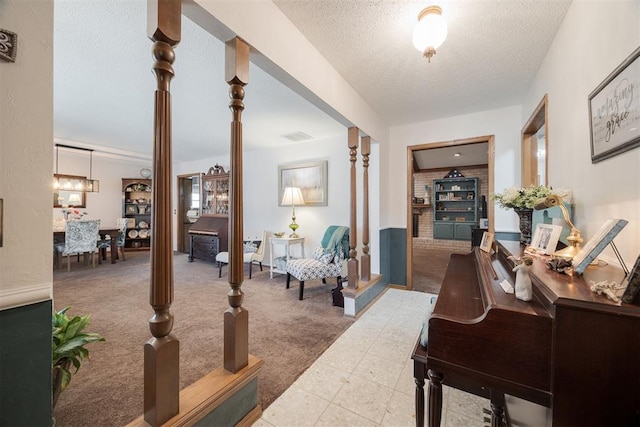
x=208, y=235
x=136, y=207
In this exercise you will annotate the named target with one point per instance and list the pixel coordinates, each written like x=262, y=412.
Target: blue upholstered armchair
x=327, y=261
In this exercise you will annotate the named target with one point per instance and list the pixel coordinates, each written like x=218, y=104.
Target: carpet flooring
x=289, y=335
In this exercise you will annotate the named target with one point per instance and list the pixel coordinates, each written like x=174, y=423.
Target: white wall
x=26, y=127
x=261, y=210
x=595, y=37
x=105, y=205
x=504, y=123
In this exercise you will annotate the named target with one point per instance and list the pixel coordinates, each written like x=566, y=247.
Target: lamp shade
x=74, y=199
x=292, y=196
x=431, y=29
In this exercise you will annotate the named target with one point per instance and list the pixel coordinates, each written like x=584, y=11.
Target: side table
x=286, y=243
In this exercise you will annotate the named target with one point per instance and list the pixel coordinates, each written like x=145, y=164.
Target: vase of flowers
x=522, y=200
x=70, y=213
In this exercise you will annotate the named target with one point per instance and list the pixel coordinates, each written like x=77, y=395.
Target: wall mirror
x=535, y=147
x=68, y=191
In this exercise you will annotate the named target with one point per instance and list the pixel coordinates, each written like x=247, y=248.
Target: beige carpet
x=108, y=390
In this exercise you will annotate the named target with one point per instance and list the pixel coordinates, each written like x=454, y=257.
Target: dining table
x=112, y=233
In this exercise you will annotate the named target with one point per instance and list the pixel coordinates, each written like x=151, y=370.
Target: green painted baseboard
x=25, y=361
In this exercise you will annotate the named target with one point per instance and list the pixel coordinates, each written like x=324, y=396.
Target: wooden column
x=352, y=264
x=236, y=318
x=365, y=259
x=161, y=353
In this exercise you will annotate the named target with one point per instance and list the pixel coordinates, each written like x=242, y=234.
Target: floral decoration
x=521, y=198
x=70, y=213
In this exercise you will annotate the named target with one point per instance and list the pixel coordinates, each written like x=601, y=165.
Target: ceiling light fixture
x=457, y=154
x=430, y=31
x=87, y=185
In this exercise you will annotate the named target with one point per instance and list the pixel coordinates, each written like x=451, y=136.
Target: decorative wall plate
x=145, y=172
x=133, y=233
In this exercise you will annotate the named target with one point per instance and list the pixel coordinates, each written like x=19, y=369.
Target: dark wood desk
x=568, y=349
x=58, y=236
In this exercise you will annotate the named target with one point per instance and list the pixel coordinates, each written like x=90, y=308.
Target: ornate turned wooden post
x=365, y=259
x=352, y=264
x=161, y=353
x=236, y=318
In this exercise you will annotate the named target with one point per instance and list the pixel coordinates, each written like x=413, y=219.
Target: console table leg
x=435, y=398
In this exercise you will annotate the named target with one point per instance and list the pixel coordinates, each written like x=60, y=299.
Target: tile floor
x=366, y=377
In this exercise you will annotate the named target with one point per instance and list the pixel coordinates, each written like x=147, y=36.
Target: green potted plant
x=68, y=348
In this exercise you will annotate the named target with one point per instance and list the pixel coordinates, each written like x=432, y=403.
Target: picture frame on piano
x=486, y=242
x=632, y=292
x=545, y=238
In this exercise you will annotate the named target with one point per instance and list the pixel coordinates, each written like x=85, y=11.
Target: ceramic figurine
x=524, y=289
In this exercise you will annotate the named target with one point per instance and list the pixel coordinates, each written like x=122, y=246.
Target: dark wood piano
x=569, y=349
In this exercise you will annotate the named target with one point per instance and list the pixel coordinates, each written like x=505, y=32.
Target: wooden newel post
x=365, y=259
x=236, y=318
x=161, y=353
x=352, y=264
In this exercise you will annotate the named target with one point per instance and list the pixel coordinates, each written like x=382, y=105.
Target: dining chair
x=80, y=237
x=103, y=244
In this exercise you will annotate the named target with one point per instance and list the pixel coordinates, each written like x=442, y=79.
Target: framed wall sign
x=310, y=177
x=614, y=111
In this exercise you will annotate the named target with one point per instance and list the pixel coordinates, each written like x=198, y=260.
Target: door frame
x=490, y=140
x=181, y=207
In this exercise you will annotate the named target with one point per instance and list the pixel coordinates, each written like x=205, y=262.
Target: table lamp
x=574, y=237
x=292, y=196
x=74, y=199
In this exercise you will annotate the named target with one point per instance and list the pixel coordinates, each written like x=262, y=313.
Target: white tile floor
x=366, y=377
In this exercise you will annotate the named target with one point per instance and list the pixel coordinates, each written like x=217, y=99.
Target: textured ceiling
x=103, y=85
x=491, y=54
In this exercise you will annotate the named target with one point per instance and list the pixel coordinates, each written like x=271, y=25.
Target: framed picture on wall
x=614, y=111
x=310, y=177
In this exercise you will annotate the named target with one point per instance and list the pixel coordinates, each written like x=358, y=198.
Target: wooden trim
x=209, y=392
x=448, y=169
x=353, y=137
x=529, y=162
x=452, y=143
x=251, y=418
x=161, y=353
x=408, y=202
x=490, y=140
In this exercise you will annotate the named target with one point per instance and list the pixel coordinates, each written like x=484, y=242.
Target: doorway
x=440, y=158
x=188, y=208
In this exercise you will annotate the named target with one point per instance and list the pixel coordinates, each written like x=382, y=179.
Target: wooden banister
x=365, y=259
x=161, y=353
x=352, y=263
x=236, y=318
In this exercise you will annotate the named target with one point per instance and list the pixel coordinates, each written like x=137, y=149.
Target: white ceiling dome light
x=430, y=31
